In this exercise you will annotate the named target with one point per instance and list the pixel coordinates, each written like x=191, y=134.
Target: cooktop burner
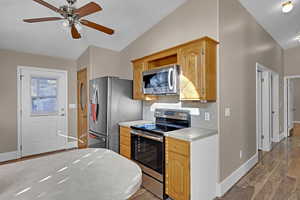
x=157, y=127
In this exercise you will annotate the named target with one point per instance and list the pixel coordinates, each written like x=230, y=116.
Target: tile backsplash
x=197, y=110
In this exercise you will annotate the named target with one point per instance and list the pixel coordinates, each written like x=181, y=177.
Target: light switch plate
x=227, y=112
x=207, y=116
x=72, y=106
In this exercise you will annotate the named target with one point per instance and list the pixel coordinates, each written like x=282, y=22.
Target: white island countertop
x=90, y=174
x=191, y=134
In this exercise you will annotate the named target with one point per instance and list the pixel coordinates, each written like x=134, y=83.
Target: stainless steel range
x=148, y=148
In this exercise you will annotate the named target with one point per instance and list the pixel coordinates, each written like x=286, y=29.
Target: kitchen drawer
x=178, y=146
x=125, y=151
x=125, y=131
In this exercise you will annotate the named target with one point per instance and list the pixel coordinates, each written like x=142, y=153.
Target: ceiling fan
x=73, y=16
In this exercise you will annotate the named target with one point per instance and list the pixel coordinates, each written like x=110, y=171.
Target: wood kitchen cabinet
x=177, y=184
x=125, y=142
x=198, y=62
x=198, y=71
x=191, y=168
x=138, y=68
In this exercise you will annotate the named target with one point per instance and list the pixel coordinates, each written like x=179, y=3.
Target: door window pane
x=43, y=95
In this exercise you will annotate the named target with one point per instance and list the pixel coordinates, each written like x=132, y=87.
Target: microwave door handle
x=171, y=73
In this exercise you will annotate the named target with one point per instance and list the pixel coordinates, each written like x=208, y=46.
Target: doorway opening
x=42, y=110
x=291, y=107
x=267, y=108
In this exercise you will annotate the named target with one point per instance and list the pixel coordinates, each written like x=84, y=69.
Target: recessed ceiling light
x=287, y=6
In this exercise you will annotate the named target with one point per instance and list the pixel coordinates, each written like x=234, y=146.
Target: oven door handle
x=156, y=138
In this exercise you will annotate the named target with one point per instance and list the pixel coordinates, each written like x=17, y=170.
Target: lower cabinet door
x=178, y=173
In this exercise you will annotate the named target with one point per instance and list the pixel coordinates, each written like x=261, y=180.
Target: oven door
x=161, y=81
x=148, y=150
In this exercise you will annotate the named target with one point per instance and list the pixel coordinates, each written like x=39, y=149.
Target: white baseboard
x=8, y=156
x=279, y=137
x=225, y=185
x=71, y=145
x=296, y=122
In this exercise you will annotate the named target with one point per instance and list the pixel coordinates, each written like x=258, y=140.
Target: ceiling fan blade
x=47, y=5
x=75, y=33
x=88, y=9
x=45, y=19
x=97, y=26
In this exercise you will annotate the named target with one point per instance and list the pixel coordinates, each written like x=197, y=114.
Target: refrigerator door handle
x=95, y=106
x=97, y=134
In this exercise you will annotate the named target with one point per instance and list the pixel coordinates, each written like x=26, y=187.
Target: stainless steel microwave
x=162, y=81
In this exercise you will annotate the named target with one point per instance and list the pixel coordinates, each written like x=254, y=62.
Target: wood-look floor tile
x=287, y=187
x=143, y=194
x=238, y=193
x=276, y=177
x=294, y=168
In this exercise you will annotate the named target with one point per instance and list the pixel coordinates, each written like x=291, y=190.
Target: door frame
x=285, y=95
x=271, y=93
x=19, y=100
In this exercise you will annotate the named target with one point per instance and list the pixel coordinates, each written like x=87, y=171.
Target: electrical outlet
x=227, y=112
x=241, y=154
x=207, y=116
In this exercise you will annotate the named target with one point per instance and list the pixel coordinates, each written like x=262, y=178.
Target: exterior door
x=82, y=110
x=43, y=116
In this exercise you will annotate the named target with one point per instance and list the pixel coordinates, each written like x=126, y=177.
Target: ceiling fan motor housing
x=71, y=2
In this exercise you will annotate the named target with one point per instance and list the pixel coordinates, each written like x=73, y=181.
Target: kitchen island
x=90, y=174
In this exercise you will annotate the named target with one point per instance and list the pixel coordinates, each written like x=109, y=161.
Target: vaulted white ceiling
x=129, y=18
x=284, y=28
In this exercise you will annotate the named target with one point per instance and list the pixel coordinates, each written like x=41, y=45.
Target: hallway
x=276, y=177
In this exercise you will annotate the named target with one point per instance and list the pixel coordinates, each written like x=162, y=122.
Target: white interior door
x=275, y=105
x=43, y=103
x=259, y=109
x=290, y=104
x=266, y=111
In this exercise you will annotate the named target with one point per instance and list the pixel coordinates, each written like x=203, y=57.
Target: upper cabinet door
x=191, y=60
x=198, y=71
x=138, y=68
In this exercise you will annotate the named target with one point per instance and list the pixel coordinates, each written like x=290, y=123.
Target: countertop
x=187, y=134
x=135, y=123
x=78, y=174
x=191, y=134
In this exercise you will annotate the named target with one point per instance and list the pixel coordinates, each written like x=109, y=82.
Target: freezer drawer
x=97, y=141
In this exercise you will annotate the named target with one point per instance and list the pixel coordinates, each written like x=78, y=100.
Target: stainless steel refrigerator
x=110, y=102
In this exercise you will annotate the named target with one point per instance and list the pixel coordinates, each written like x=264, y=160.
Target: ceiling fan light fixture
x=287, y=6
x=65, y=23
x=78, y=26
